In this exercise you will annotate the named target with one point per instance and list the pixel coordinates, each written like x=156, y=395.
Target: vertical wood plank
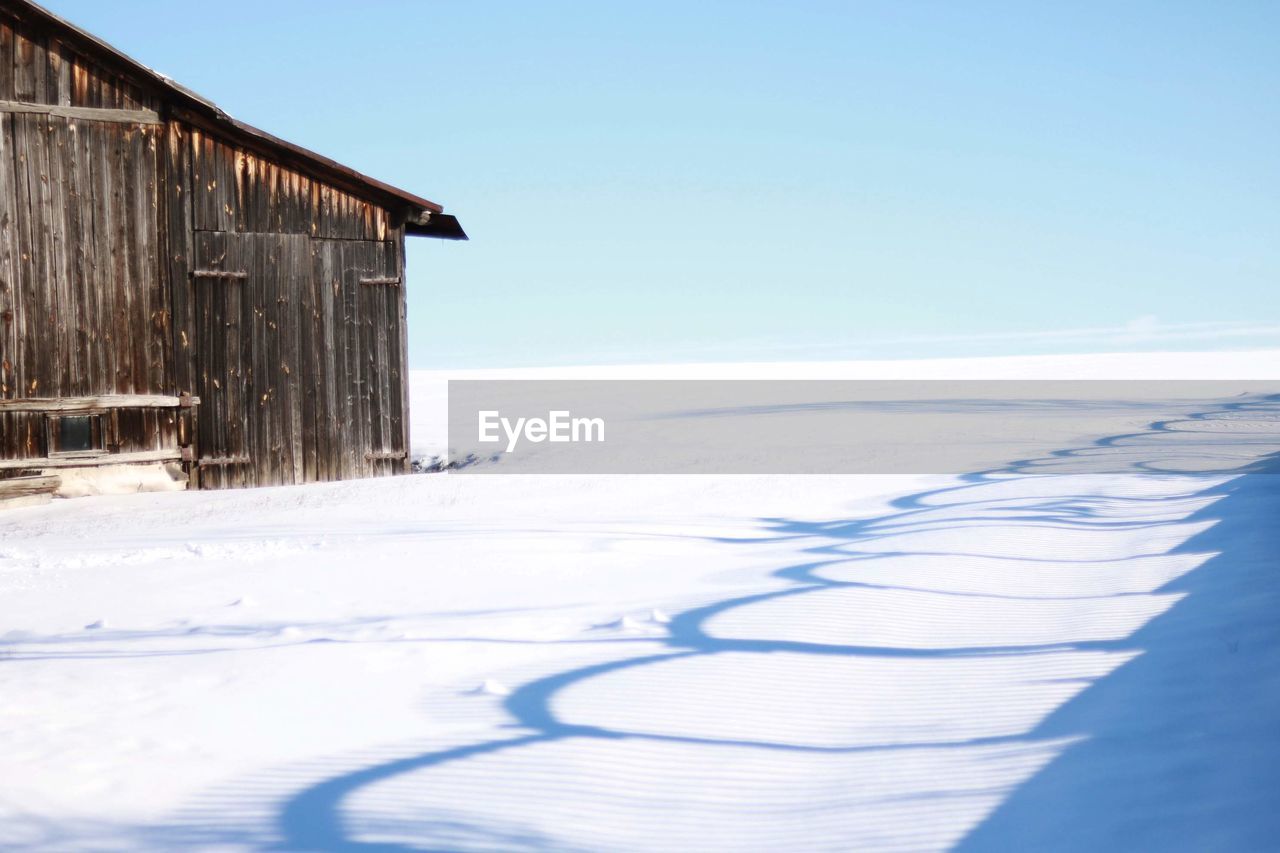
x=246, y=192
x=390, y=353
x=31, y=274
x=309, y=355
x=224, y=365
x=134, y=246
x=241, y=346
x=158, y=331
x=78, y=244
x=203, y=181
x=6, y=61
x=10, y=310
x=366, y=300
x=274, y=248
x=292, y=320
x=24, y=68
x=123, y=265
x=355, y=443
x=259, y=426
x=377, y=357
x=65, y=320
x=402, y=359
x=57, y=78
x=202, y=366
x=104, y=272
x=177, y=244
x=331, y=400
x=81, y=75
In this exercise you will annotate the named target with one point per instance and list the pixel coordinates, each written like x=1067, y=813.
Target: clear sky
x=675, y=181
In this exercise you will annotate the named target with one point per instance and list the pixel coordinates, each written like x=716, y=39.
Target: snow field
x=654, y=663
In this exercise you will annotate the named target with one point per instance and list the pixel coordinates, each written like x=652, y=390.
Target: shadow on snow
x=1176, y=749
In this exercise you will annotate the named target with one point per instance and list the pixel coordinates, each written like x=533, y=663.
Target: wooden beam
x=28, y=490
x=379, y=455
x=394, y=281
x=20, y=487
x=219, y=274
x=85, y=113
x=218, y=461
x=173, y=455
x=101, y=403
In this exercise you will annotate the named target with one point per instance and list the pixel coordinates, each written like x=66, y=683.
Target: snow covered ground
x=448, y=662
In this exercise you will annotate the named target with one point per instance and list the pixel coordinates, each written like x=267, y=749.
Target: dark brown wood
x=6, y=59
x=11, y=324
x=96, y=460
x=400, y=407
x=99, y=403
x=153, y=251
x=176, y=242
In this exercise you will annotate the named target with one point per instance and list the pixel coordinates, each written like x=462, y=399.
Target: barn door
x=251, y=307
x=357, y=394
x=380, y=295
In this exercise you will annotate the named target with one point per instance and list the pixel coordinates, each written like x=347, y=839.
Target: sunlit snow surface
x=996, y=661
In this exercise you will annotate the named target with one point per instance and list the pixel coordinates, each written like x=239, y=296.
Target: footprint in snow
x=628, y=623
x=489, y=687
x=622, y=623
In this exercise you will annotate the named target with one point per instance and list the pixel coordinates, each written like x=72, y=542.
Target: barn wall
x=83, y=304
x=297, y=349
x=236, y=190
x=108, y=229
x=37, y=67
x=24, y=435
x=83, y=307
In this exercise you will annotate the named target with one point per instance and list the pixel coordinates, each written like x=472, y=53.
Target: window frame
x=53, y=436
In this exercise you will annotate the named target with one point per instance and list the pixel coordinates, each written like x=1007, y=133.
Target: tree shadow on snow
x=1181, y=746
x=1177, y=749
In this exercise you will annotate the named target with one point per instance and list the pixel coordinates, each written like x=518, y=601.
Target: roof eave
x=442, y=226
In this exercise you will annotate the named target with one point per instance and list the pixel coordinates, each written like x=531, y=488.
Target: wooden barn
x=181, y=292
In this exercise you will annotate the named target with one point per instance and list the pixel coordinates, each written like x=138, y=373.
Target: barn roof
x=423, y=216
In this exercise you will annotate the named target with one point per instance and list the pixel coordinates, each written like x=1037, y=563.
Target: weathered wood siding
x=289, y=319
x=114, y=237
x=236, y=190
x=23, y=435
x=38, y=67
x=83, y=306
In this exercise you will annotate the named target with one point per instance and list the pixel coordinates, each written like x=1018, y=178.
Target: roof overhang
x=439, y=225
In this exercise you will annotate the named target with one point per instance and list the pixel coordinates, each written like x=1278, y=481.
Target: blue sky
x=674, y=181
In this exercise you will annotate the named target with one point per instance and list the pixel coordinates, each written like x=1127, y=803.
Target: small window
x=75, y=434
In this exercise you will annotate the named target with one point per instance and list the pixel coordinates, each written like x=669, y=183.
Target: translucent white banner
x=860, y=427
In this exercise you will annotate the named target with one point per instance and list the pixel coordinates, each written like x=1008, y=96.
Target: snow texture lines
x=831, y=714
